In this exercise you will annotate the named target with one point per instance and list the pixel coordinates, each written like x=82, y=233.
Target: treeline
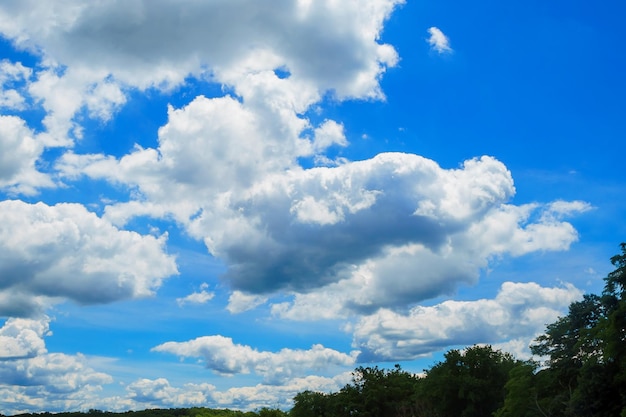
x=172, y=412
x=584, y=375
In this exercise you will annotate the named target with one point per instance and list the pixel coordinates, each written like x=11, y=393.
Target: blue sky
x=222, y=204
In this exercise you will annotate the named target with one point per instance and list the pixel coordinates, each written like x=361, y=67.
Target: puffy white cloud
x=12, y=76
x=520, y=311
x=262, y=395
x=65, y=252
x=332, y=44
x=438, y=41
x=224, y=357
x=233, y=181
x=92, y=54
x=147, y=393
x=20, y=149
x=55, y=372
x=51, y=381
x=34, y=379
x=160, y=393
x=23, y=338
x=227, y=168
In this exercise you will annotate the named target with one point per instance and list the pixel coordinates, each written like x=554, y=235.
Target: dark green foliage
x=468, y=384
x=271, y=412
x=310, y=404
x=374, y=392
x=587, y=353
x=521, y=388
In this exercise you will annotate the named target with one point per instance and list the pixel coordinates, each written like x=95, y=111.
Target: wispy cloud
x=201, y=297
x=438, y=41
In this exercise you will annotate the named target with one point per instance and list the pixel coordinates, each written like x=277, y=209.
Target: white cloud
x=520, y=311
x=262, y=395
x=148, y=393
x=438, y=41
x=90, y=55
x=238, y=302
x=328, y=134
x=19, y=151
x=160, y=393
x=12, y=78
x=199, y=297
x=227, y=168
x=34, y=379
x=23, y=338
x=52, y=381
x=228, y=176
x=150, y=43
x=65, y=252
x=221, y=355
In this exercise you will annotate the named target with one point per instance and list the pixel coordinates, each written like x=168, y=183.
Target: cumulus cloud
x=23, y=338
x=263, y=395
x=520, y=311
x=20, y=150
x=35, y=379
x=223, y=356
x=160, y=393
x=233, y=181
x=93, y=54
x=438, y=41
x=152, y=43
x=53, y=381
x=228, y=168
x=65, y=252
x=12, y=78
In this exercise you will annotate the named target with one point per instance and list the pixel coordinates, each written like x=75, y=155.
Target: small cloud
x=197, y=297
x=438, y=41
x=238, y=302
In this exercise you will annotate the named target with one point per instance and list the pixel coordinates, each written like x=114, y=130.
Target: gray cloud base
x=65, y=252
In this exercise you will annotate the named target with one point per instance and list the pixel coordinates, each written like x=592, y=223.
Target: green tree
x=521, y=396
x=467, y=384
x=379, y=393
x=586, y=351
x=613, y=326
x=311, y=404
x=271, y=412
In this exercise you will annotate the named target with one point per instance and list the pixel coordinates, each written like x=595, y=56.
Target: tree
x=613, y=328
x=469, y=383
x=376, y=392
x=586, y=353
x=271, y=412
x=310, y=404
x=521, y=394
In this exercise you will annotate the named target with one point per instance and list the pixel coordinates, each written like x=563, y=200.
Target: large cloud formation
x=365, y=240
x=35, y=379
x=64, y=252
x=91, y=52
x=228, y=168
x=520, y=310
x=228, y=176
x=223, y=356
